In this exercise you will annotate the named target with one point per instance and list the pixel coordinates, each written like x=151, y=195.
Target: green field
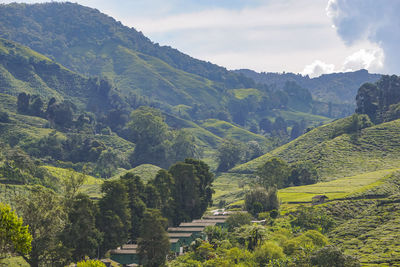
x=339, y=188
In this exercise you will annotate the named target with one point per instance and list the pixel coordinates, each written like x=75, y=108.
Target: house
x=127, y=254
x=176, y=246
x=185, y=238
x=319, y=199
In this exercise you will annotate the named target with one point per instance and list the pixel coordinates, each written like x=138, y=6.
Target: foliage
x=274, y=172
x=153, y=242
x=313, y=218
x=230, y=152
x=14, y=237
x=260, y=200
x=379, y=100
x=90, y=263
x=42, y=211
x=331, y=256
x=114, y=217
x=238, y=219
x=80, y=235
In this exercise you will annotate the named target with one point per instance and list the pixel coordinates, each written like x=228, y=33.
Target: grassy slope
x=341, y=156
x=145, y=172
x=369, y=228
x=91, y=185
x=225, y=129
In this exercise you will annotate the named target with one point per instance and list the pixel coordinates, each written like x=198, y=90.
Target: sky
x=311, y=37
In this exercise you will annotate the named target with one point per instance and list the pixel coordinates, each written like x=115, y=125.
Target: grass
x=145, y=171
x=225, y=129
x=339, y=188
x=91, y=185
x=311, y=119
x=244, y=93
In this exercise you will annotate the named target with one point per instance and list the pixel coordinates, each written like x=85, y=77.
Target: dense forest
x=113, y=145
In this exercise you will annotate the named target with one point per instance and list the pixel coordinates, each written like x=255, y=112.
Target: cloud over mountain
x=375, y=21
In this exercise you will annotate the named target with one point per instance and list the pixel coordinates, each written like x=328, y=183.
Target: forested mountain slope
x=335, y=87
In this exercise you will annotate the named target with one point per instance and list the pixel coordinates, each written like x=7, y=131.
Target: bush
x=237, y=220
x=268, y=252
x=331, y=256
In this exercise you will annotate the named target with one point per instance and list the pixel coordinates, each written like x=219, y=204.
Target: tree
x=136, y=196
x=4, y=117
x=14, y=236
x=183, y=146
x=260, y=200
x=149, y=132
x=266, y=125
x=230, y=152
x=274, y=172
x=296, y=131
x=165, y=184
x=114, y=216
x=238, y=219
x=153, y=243
x=186, y=195
x=192, y=192
x=23, y=103
x=302, y=174
x=43, y=212
x=331, y=256
x=80, y=234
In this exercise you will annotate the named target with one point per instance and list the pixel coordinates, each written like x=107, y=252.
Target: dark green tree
x=274, y=172
x=260, y=200
x=114, y=216
x=149, y=132
x=153, y=242
x=186, y=194
x=331, y=256
x=230, y=152
x=136, y=202
x=80, y=234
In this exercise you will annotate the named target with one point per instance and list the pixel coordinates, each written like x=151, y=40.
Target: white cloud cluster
x=372, y=20
x=370, y=59
x=317, y=68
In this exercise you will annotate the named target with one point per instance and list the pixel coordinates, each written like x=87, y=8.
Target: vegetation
x=91, y=163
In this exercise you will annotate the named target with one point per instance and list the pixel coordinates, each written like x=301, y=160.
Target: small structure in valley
x=319, y=199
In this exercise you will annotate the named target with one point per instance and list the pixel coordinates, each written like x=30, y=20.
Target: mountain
x=23, y=70
x=91, y=43
x=337, y=88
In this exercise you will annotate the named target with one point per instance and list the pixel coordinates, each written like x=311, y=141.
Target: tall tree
x=114, y=216
x=149, y=132
x=80, y=234
x=136, y=196
x=43, y=212
x=153, y=242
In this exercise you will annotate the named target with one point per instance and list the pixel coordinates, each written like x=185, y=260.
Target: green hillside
x=346, y=154
x=225, y=129
x=24, y=70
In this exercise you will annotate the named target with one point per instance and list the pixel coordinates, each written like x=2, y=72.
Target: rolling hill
x=337, y=154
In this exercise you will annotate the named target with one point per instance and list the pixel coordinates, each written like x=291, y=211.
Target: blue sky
x=302, y=36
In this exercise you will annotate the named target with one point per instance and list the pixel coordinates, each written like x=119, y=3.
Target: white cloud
x=370, y=59
x=317, y=68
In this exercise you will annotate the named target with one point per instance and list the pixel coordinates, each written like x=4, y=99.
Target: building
x=319, y=199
